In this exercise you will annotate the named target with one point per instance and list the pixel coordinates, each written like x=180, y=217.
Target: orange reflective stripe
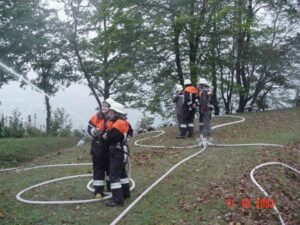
x=191, y=89
x=121, y=125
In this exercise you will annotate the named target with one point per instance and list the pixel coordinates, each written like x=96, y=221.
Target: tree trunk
x=79, y=58
x=214, y=71
x=243, y=44
x=238, y=71
x=192, y=61
x=193, y=47
x=48, y=118
x=227, y=107
x=214, y=95
x=177, y=32
x=106, y=89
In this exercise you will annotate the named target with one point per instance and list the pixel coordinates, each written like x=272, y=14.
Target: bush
x=78, y=133
x=61, y=125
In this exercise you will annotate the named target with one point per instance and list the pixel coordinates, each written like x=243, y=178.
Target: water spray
x=11, y=71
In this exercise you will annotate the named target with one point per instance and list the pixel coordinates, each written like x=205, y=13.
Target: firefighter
x=205, y=110
x=118, y=150
x=99, y=124
x=190, y=101
x=178, y=100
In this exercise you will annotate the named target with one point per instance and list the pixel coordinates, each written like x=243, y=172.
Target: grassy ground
x=16, y=151
x=195, y=193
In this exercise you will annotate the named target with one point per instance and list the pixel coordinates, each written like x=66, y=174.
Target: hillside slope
x=195, y=193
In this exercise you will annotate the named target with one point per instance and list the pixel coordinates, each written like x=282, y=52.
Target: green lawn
x=16, y=151
x=195, y=193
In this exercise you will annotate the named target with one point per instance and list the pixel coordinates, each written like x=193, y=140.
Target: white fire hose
x=117, y=219
x=242, y=119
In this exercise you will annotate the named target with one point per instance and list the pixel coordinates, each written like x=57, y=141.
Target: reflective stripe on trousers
x=115, y=185
x=98, y=182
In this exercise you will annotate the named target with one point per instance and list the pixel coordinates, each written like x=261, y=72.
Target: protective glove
x=95, y=132
x=104, y=135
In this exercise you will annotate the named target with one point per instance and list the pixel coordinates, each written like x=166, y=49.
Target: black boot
x=191, y=132
x=182, y=133
x=97, y=189
x=113, y=204
x=117, y=198
x=126, y=191
x=99, y=192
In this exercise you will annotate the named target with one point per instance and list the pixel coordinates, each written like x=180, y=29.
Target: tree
x=17, y=25
x=102, y=38
x=144, y=123
x=2, y=126
x=33, y=40
x=50, y=58
x=259, y=59
x=61, y=125
x=178, y=33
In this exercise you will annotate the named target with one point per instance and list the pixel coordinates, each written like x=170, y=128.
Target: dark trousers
x=100, y=157
x=204, y=123
x=179, y=119
x=187, y=122
x=118, y=176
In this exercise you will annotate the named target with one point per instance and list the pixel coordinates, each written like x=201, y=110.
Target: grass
x=195, y=193
x=16, y=151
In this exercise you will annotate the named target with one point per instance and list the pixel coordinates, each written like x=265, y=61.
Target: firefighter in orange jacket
x=118, y=151
x=188, y=109
x=98, y=125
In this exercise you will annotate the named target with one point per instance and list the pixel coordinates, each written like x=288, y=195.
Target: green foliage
x=145, y=123
x=14, y=127
x=61, y=125
x=33, y=131
x=128, y=48
x=78, y=133
x=17, y=25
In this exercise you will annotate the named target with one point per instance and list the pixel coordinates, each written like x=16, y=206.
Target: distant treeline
x=15, y=126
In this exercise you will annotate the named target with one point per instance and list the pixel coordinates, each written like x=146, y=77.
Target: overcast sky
x=75, y=99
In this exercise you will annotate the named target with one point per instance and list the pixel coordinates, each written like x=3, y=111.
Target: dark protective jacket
x=178, y=100
x=119, y=151
x=118, y=132
x=204, y=98
x=104, y=125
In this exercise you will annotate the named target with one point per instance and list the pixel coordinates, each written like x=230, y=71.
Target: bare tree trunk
x=214, y=71
x=214, y=95
x=193, y=47
x=79, y=58
x=177, y=32
x=48, y=118
x=227, y=107
x=243, y=44
x=106, y=89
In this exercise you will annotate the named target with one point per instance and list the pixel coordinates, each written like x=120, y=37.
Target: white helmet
x=110, y=101
x=203, y=81
x=187, y=81
x=178, y=87
x=117, y=107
